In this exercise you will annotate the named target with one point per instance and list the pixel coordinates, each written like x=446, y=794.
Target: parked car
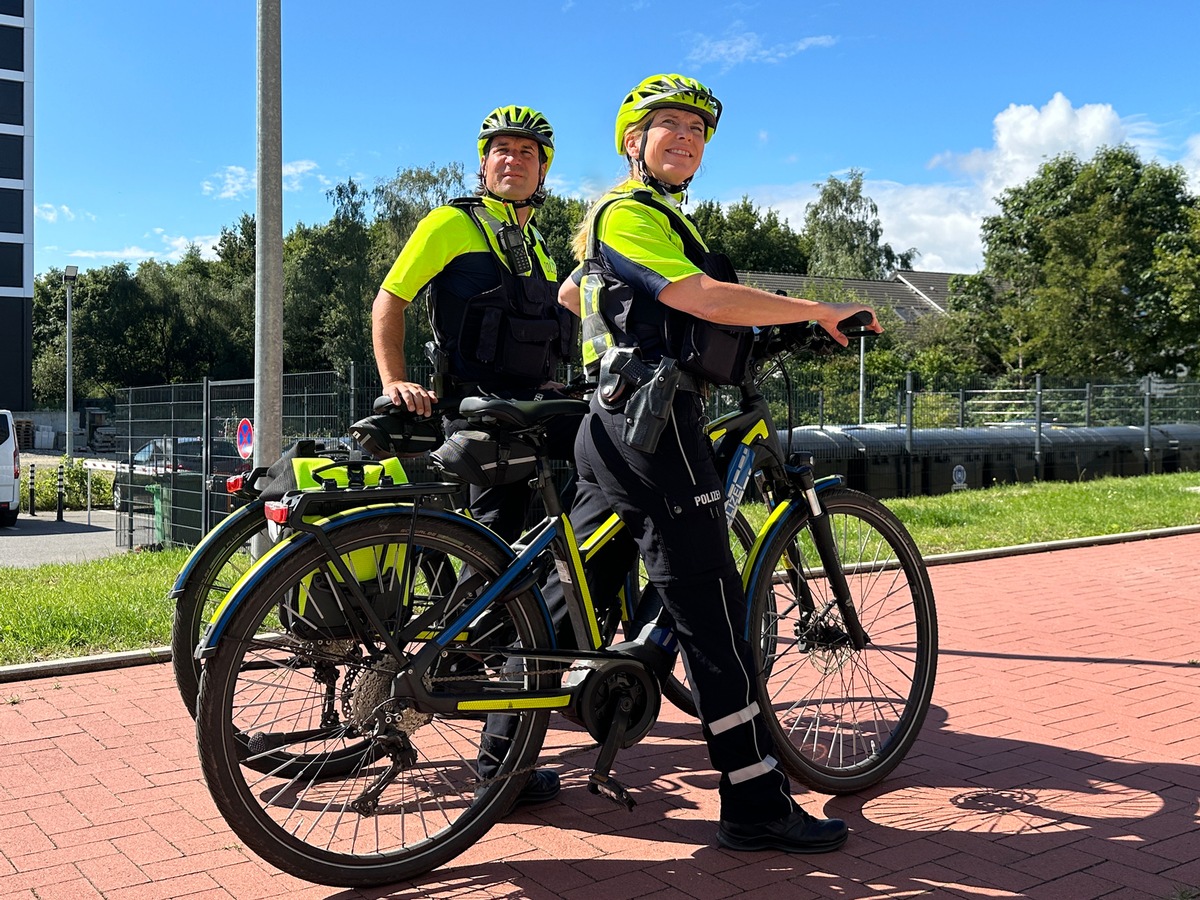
x=159, y=458
x=10, y=471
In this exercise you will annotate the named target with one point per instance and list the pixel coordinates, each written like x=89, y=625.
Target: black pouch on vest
x=492, y=334
x=719, y=354
x=485, y=460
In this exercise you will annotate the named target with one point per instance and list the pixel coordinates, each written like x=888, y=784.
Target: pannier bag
x=313, y=609
x=485, y=460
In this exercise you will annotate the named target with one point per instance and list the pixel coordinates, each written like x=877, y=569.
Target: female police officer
x=656, y=303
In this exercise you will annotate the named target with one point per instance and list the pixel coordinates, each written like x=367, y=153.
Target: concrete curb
x=55, y=668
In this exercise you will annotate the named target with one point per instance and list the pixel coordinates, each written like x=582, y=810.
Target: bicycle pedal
x=606, y=786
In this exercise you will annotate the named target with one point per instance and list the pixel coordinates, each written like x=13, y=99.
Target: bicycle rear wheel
x=842, y=719
x=221, y=562
x=369, y=789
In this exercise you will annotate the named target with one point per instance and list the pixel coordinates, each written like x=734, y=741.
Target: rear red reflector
x=276, y=511
x=233, y=483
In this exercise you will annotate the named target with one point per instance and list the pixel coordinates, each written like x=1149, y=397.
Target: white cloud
x=295, y=173
x=232, y=183
x=50, y=213
x=236, y=182
x=1191, y=162
x=126, y=254
x=943, y=220
x=173, y=249
x=1025, y=137
x=739, y=47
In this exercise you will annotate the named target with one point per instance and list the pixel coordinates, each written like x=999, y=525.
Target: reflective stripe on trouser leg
x=753, y=771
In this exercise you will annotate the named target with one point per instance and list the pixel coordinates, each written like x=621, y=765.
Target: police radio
x=512, y=242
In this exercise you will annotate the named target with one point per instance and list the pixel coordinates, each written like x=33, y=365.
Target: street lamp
x=70, y=273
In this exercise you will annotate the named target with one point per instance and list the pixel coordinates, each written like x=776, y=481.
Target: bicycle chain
x=432, y=679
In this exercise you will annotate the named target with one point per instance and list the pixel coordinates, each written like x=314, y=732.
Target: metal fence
x=170, y=436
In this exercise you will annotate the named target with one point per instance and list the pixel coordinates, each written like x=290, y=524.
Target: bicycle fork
x=823, y=538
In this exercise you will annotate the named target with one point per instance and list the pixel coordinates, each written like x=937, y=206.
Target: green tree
x=753, y=240
x=401, y=201
x=1075, y=249
x=1176, y=267
x=557, y=220
x=845, y=238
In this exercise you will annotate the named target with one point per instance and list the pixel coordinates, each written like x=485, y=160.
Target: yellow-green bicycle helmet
x=520, y=121
x=668, y=91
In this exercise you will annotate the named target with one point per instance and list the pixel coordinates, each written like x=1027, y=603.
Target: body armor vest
x=512, y=336
x=719, y=354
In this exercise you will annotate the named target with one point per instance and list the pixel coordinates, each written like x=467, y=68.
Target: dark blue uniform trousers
x=673, y=502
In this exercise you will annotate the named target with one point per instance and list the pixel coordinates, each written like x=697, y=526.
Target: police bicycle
x=346, y=700
x=226, y=552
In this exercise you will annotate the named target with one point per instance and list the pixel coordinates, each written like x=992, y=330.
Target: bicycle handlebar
x=809, y=337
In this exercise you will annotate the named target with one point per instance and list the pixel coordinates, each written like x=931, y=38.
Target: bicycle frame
x=747, y=446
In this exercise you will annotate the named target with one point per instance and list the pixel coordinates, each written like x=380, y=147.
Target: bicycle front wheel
x=369, y=789
x=842, y=718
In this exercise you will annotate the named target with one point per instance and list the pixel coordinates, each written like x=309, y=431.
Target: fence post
x=206, y=428
x=962, y=407
x=821, y=409
x=1148, y=449
x=1087, y=405
x=32, y=479
x=1037, y=425
x=353, y=393
x=129, y=468
x=908, y=433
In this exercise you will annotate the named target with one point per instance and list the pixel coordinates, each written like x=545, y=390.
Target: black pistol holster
x=647, y=393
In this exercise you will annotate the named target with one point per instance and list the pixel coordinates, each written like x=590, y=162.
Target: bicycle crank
x=617, y=701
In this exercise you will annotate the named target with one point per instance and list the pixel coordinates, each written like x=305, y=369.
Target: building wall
x=16, y=204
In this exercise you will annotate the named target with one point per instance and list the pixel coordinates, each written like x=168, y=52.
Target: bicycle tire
x=843, y=719
x=676, y=689
x=221, y=562
x=311, y=824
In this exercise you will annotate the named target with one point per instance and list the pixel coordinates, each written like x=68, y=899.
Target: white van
x=10, y=471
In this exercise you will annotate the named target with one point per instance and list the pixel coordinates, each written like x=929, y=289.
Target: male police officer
x=494, y=309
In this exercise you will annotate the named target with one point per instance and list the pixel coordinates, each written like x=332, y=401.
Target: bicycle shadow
x=963, y=814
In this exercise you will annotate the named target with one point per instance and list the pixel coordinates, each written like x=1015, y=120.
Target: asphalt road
x=80, y=536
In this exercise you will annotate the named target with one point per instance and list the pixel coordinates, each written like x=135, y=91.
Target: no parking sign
x=245, y=439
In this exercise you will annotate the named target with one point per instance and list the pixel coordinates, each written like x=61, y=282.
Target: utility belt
x=646, y=392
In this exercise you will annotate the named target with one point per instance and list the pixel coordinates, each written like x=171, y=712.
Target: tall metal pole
x=70, y=388
x=268, y=281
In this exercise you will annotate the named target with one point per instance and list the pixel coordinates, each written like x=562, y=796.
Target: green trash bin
x=161, y=506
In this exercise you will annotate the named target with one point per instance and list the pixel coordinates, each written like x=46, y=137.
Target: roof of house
x=910, y=294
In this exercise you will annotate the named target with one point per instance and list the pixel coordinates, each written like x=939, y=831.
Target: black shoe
x=795, y=833
x=541, y=787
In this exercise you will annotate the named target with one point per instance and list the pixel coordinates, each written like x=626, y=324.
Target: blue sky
x=145, y=109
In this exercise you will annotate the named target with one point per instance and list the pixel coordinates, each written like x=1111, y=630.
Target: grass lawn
x=120, y=603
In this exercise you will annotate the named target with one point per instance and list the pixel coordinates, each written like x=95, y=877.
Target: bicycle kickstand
x=600, y=781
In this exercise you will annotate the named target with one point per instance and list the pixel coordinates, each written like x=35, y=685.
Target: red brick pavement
x=1061, y=760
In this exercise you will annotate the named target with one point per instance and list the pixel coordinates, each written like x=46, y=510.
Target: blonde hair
x=579, y=239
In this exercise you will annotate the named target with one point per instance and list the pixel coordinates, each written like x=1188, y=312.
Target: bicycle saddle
x=521, y=413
